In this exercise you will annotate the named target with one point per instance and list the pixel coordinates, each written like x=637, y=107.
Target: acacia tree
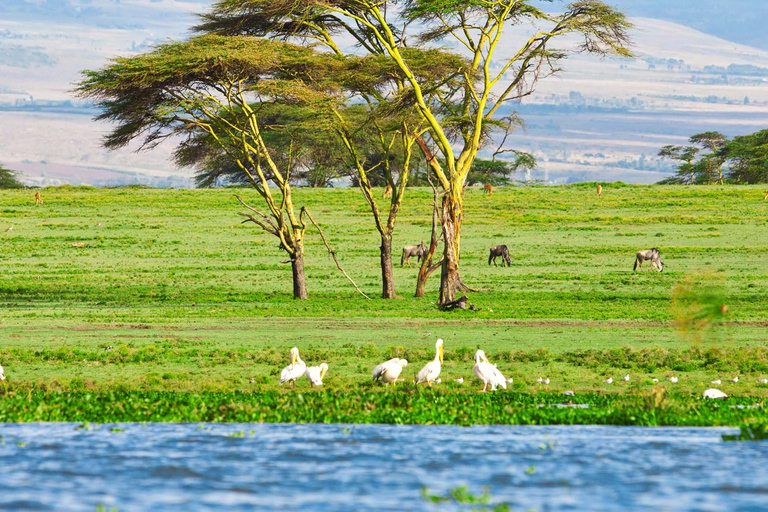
x=457, y=116
x=8, y=179
x=222, y=89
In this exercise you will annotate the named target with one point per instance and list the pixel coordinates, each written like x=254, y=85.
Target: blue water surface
x=190, y=467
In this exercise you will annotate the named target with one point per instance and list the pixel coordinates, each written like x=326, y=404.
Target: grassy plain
x=194, y=302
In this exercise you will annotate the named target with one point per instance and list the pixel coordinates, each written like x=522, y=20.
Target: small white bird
x=10, y=228
x=714, y=394
x=252, y=380
x=655, y=380
x=718, y=381
x=540, y=380
x=315, y=374
x=510, y=380
x=438, y=381
x=735, y=380
x=488, y=373
x=673, y=380
x=763, y=381
x=546, y=381
x=626, y=378
x=2, y=373
x=295, y=370
x=109, y=348
x=569, y=393
x=460, y=380
x=431, y=370
x=609, y=380
x=388, y=371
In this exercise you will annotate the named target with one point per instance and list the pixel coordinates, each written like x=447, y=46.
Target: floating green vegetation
x=462, y=498
x=756, y=432
x=376, y=407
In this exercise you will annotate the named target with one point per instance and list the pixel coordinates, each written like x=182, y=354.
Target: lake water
x=189, y=467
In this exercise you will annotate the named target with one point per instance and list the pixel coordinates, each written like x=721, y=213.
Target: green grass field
x=193, y=301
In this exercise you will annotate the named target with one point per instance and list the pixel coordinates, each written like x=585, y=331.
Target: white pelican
x=2, y=373
x=718, y=381
x=714, y=394
x=315, y=374
x=431, y=370
x=673, y=380
x=389, y=371
x=763, y=381
x=626, y=378
x=735, y=380
x=609, y=380
x=293, y=371
x=487, y=372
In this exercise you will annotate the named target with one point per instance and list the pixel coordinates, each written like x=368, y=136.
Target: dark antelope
x=413, y=250
x=500, y=251
x=651, y=255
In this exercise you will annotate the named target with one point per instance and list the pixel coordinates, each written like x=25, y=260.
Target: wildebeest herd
x=502, y=251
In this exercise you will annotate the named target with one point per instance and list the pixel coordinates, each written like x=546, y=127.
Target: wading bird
x=609, y=380
x=431, y=370
x=626, y=378
x=295, y=370
x=714, y=394
x=389, y=371
x=460, y=380
x=673, y=380
x=718, y=381
x=315, y=374
x=735, y=380
x=487, y=372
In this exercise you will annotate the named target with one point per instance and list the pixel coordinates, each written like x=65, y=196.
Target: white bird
x=718, y=381
x=735, y=380
x=315, y=374
x=460, y=380
x=673, y=380
x=569, y=393
x=487, y=372
x=714, y=394
x=626, y=378
x=295, y=370
x=763, y=381
x=609, y=380
x=438, y=381
x=388, y=371
x=540, y=380
x=510, y=380
x=431, y=370
x=655, y=380
x=2, y=373
x=10, y=228
x=546, y=381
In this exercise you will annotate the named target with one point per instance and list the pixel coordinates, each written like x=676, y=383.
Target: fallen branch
x=330, y=251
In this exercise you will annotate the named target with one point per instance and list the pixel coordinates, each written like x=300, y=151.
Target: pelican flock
x=388, y=371
x=315, y=374
x=431, y=370
x=487, y=372
x=293, y=371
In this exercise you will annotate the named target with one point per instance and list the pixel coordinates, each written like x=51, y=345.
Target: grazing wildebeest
x=651, y=254
x=500, y=250
x=413, y=250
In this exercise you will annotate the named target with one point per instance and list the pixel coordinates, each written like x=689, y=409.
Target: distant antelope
x=651, y=254
x=765, y=196
x=38, y=198
x=488, y=189
x=387, y=192
x=413, y=250
x=599, y=191
x=499, y=251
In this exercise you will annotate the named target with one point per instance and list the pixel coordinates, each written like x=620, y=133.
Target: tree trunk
x=450, y=280
x=387, y=276
x=299, y=281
